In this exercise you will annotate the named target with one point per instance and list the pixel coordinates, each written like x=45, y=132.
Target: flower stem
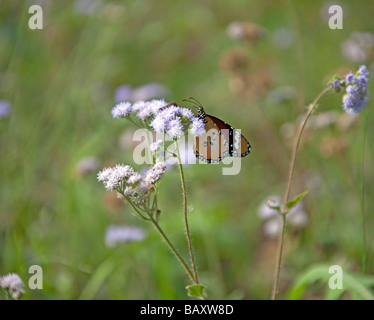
x=175, y=252
x=190, y=249
x=288, y=188
x=280, y=252
x=297, y=142
x=149, y=146
x=362, y=202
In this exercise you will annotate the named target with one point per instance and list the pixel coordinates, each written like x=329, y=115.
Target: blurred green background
x=61, y=83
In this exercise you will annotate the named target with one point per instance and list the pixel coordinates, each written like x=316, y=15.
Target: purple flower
x=336, y=83
x=350, y=78
x=123, y=93
x=5, y=108
x=363, y=70
x=121, y=110
x=353, y=104
x=149, y=91
x=362, y=81
x=356, y=98
x=122, y=234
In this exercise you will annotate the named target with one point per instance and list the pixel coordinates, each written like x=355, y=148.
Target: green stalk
x=287, y=192
x=175, y=252
x=362, y=200
x=190, y=249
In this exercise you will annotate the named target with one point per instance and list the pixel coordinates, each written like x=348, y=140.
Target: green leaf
x=358, y=285
x=195, y=290
x=317, y=272
x=290, y=204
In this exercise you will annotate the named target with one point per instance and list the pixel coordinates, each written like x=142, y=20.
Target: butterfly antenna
x=196, y=101
x=194, y=104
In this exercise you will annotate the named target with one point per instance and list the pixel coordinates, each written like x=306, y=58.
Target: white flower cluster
x=132, y=185
x=13, y=284
x=163, y=117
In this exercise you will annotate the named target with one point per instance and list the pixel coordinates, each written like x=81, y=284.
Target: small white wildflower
x=155, y=173
x=198, y=127
x=122, y=109
x=158, y=124
x=122, y=171
x=139, y=106
x=187, y=113
x=175, y=128
x=111, y=183
x=13, y=283
x=134, y=179
x=105, y=174
x=145, y=113
x=128, y=191
x=113, y=176
x=156, y=105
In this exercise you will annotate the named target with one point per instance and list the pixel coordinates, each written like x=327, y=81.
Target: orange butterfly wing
x=220, y=141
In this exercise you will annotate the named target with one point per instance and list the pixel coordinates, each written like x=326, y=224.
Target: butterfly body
x=219, y=141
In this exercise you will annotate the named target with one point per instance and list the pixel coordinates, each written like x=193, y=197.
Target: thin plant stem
x=149, y=146
x=284, y=212
x=362, y=195
x=172, y=248
x=280, y=253
x=297, y=142
x=190, y=249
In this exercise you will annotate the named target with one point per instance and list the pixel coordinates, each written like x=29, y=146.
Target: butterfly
x=220, y=139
